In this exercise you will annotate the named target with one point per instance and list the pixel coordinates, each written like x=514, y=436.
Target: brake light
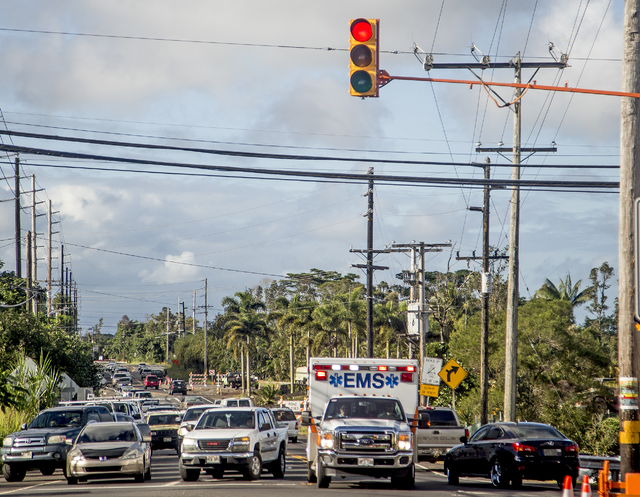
x=572, y=448
x=406, y=377
x=321, y=375
x=519, y=447
x=382, y=368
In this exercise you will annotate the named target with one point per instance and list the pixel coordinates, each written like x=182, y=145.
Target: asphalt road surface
x=166, y=482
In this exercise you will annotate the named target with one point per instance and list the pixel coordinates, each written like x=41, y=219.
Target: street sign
x=431, y=366
x=452, y=373
x=429, y=390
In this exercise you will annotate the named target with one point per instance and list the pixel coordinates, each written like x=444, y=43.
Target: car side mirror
x=464, y=439
x=265, y=427
x=306, y=418
x=424, y=420
x=23, y=426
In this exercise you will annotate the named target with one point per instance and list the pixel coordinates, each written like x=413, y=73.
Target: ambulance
x=362, y=420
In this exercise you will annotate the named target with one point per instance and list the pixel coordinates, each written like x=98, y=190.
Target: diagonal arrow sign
x=453, y=370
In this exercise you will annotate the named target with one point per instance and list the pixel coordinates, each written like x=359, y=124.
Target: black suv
x=43, y=444
x=178, y=386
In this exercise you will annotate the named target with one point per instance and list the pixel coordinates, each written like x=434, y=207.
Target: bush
x=12, y=419
x=268, y=394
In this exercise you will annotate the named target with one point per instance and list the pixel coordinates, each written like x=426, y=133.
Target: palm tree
x=565, y=291
x=243, y=320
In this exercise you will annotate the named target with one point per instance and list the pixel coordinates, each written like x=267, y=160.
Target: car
x=234, y=402
x=510, y=452
x=192, y=400
x=109, y=450
x=164, y=426
x=43, y=443
x=286, y=416
x=178, y=386
x=159, y=373
x=141, y=365
x=151, y=381
x=120, y=418
x=190, y=419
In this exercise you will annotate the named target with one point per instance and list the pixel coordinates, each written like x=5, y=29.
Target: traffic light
x=363, y=65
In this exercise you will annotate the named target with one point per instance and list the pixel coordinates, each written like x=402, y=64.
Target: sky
x=272, y=77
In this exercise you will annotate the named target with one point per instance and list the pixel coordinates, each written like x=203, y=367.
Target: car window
x=57, y=418
x=284, y=415
x=105, y=415
x=439, y=417
x=232, y=403
x=107, y=433
x=264, y=420
x=244, y=403
x=192, y=414
x=226, y=419
x=163, y=419
x=495, y=433
x=535, y=432
x=480, y=434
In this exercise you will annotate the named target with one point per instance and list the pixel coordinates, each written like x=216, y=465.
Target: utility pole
x=193, y=319
x=29, y=303
x=49, y=260
x=485, y=291
x=205, y=326
x=166, y=359
x=370, y=266
x=17, y=219
x=628, y=331
x=33, y=248
x=513, y=294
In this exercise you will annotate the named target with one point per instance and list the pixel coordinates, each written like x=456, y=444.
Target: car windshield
x=226, y=419
x=535, y=432
x=284, y=415
x=192, y=414
x=100, y=432
x=57, y=419
x=365, y=408
x=163, y=419
x=440, y=417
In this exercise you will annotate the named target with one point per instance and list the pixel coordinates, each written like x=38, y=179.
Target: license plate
x=167, y=439
x=365, y=461
x=551, y=452
x=213, y=459
x=27, y=455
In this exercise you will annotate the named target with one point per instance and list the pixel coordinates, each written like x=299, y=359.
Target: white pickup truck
x=443, y=433
x=361, y=422
x=244, y=439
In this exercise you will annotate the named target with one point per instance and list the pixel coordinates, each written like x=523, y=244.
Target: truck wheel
x=311, y=474
x=405, y=482
x=294, y=440
x=147, y=473
x=12, y=473
x=72, y=481
x=254, y=470
x=188, y=474
x=279, y=466
x=323, y=481
x=47, y=470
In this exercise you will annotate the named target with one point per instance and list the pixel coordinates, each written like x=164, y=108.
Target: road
x=166, y=482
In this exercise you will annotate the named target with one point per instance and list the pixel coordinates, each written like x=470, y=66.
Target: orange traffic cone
x=586, y=487
x=567, y=487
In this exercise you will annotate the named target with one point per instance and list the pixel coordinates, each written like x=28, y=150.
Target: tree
x=565, y=291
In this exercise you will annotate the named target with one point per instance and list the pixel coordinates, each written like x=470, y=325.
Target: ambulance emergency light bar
x=321, y=370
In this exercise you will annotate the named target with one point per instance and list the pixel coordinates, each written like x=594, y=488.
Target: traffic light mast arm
x=385, y=78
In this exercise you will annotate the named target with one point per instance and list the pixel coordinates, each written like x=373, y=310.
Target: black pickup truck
x=45, y=442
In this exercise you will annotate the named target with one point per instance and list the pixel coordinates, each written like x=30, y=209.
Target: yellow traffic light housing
x=363, y=64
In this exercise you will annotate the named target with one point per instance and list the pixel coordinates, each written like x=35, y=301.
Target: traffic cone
x=586, y=487
x=567, y=487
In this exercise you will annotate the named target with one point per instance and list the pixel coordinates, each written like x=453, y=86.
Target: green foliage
x=268, y=394
x=40, y=383
x=11, y=419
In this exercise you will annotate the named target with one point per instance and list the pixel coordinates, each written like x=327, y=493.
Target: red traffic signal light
x=363, y=65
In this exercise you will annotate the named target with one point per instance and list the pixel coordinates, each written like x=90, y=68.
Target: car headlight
x=75, y=455
x=325, y=440
x=7, y=442
x=240, y=444
x=133, y=453
x=189, y=445
x=404, y=441
x=56, y=439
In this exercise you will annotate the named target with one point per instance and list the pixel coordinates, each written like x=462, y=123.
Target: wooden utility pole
x=205, y=326
x=49, y=260
x=34, y=248
x=29, y=304
x=370, y=266
x=166, y=360
x=513, y=296
x=628, y=335
x=485, y=290
x=17, y=218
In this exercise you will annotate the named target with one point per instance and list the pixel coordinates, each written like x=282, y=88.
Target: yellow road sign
x=429, y=390
x=452, y=373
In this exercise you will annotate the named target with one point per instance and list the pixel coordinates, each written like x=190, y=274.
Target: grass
x=11, y=420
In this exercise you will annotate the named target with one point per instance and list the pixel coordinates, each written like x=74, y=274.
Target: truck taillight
x=406, y=377
x=383, y=368
x=321, y=375
x=409, y=369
